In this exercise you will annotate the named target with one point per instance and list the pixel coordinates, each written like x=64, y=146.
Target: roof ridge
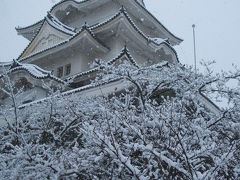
x=31, y=40
x=22, y=28
x=83, y=1
x=123, y=52
x=52, y=20
x=38, y=31
x=27, y=68
x=69, y=92
x=123, y=11
x=140, y=5
x=84, y=28
x=158, y=21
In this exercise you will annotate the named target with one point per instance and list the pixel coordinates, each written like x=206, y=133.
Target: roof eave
x=123, y=17
x=74, y=39
x=176, y=39
x=32, y=29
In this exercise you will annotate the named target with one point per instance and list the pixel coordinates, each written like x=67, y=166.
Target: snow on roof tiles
x=137, y=2
x=54, y=22
x=32, y=69
x=83, y=1
x=122, y=12
x=83, y=29
x=124, y=52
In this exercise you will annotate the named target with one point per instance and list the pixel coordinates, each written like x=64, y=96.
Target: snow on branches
x=156, y=127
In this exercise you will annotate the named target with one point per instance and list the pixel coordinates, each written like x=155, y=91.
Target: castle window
x=67, y=69
x=60, y=72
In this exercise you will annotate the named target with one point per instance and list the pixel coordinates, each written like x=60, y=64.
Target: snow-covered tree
x=157, y=127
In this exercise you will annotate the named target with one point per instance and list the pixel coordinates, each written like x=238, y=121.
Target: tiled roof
x=90, y=29
x=124, y=52
x=33, y=70
x=83, y=29
x=124, y=13
x=140, y=5
x=84, y=1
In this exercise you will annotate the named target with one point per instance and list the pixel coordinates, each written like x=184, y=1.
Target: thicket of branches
x=156, y=129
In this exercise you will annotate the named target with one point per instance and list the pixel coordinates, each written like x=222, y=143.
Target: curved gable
x=136, y=9
x=162, y=48
x=45, y=42
x=46, y=37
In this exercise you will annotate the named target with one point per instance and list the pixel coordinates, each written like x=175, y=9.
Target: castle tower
x=75, y=33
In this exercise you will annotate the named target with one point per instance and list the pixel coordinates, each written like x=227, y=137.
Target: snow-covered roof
x=123, y=13
x=155, y=42
x=85, y=32
x=32, y=29
x=179, y=40
x=201, y=97
x=31, y=69
x=206, y=100
x=93, y=87
x=124, y=53
x=137, y=3
x=54, y=22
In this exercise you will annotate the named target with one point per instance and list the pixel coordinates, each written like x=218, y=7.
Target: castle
x=76, y=33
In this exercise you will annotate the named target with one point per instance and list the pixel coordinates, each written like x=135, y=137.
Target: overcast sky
x=217, y=26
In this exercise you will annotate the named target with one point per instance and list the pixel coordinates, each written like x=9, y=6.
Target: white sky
x=217, y=21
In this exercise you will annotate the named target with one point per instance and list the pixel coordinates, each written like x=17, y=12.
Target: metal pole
x=194, y=44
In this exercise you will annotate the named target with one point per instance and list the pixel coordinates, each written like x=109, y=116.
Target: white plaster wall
x=95, y=16
x=81, y=60
x=117, y=44
x=78, y=60
x=47, y=41
x=108, y=10
x=49, y=36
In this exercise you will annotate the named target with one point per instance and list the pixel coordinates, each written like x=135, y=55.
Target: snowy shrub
x=156, y=128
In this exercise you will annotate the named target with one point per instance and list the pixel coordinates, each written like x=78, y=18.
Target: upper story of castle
x=76, y=32
x=75, y=13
